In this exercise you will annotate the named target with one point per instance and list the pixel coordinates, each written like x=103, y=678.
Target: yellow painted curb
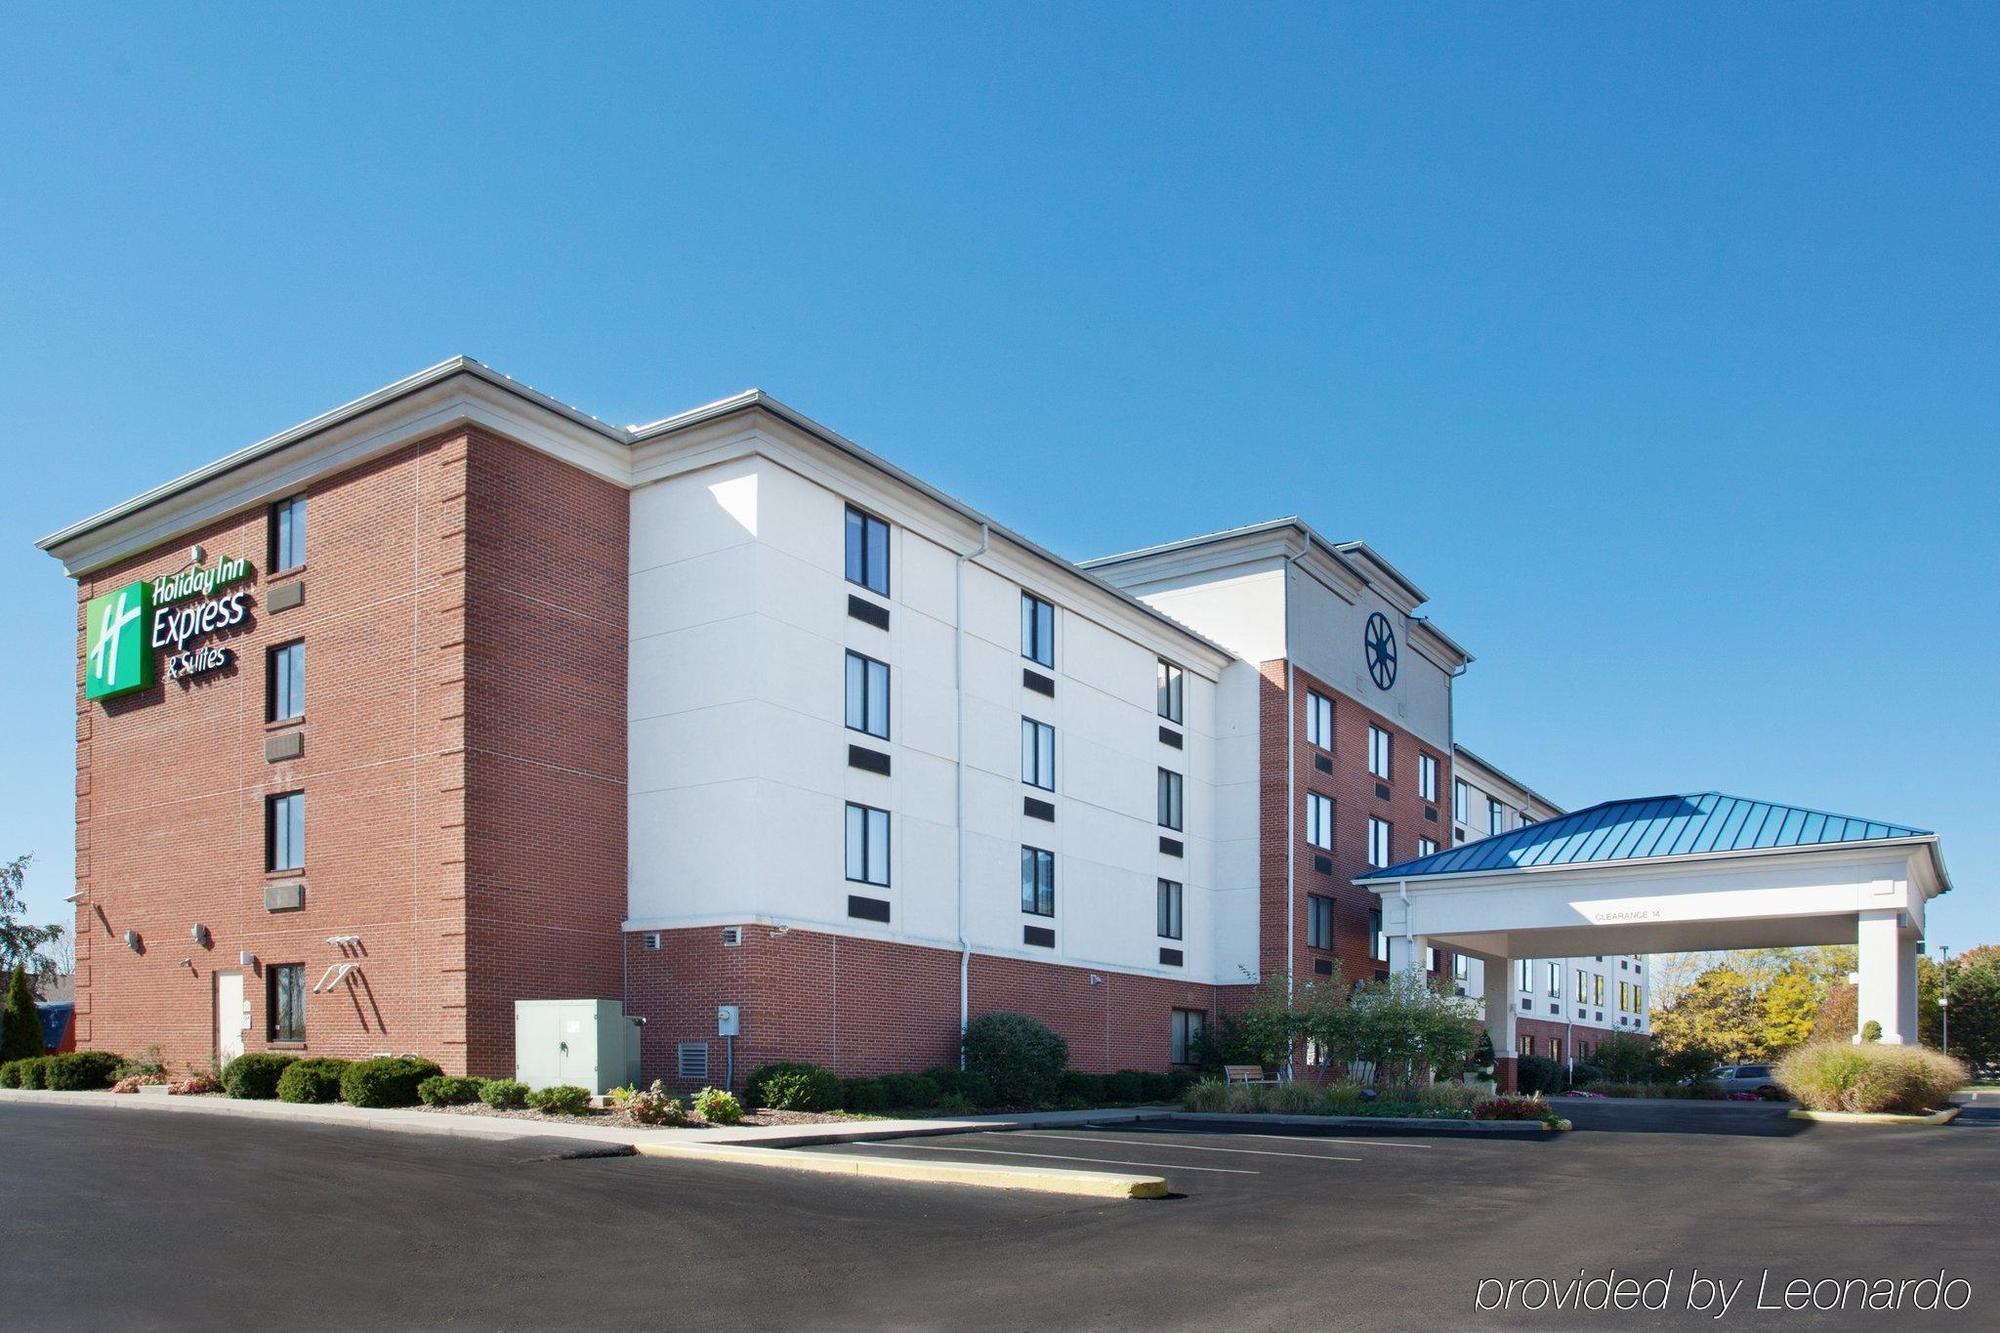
x=1944, y=1117
x=1083, y=1184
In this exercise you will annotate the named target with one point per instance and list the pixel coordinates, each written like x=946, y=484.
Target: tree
x=1624, y=1057
x=1406, y=1022
x=1716, y=1016
x=1839, y=1014
x=1789, y=1004
x=20, y=1026
x=22, y=945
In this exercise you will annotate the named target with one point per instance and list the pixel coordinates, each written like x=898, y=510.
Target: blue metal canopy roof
x=1650, y=828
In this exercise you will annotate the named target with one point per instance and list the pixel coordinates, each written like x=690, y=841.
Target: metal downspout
x=958, y=781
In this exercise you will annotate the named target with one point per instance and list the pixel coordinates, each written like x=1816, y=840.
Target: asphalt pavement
x=125, y=1221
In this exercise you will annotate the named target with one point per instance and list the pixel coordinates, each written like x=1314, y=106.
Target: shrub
x=254, y=1075
x=80, y=1071
x=1127, y=1085
x=902, y=1091
x=386, y=1080
x=1624, y=1058
x=719, y=1107
x=10, y=1074
x=562, y=1099
x=1871, y=1031
x=1511, y=1108
x=32, y=1071
x=504, y=1094
x=1022, y=1057
x=1701, y=1090
x=794, y=1086
x=1208, y=1095
x=1084, y=1089
x=449, y=1090
x=1837, y=1076
x=1582, y=1074
x=1537, y=1074
x=316, y=1080
x=1160, y=1087
x=196, y=1083
x=655, y=1107
x=1604, y=1089
x=146, y=1064
x=20, y=1025
x=862, y=1094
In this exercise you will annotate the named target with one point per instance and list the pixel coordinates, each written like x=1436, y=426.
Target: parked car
x=1747, y=1078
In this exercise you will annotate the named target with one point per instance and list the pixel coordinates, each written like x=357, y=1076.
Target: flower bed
x=1432, y=1101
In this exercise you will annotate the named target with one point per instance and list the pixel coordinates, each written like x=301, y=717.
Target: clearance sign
x=125, y=628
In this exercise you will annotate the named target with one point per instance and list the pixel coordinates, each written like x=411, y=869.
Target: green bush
x=1839, y=1076
x=1022, y=1057
x=386, y=1080
x=449, y=1090
x=1127, y=1085
x=1582, y=1074
x=1536, y=1074
x=20, y=1025
x=719, y=1107
x=1210, y=1094
x=80, y=1071
x=1871, y=1031
x=1511, y=1108
x=793, y=1086
x=315, y=1080
x=906, y=1091
x=863, y=1094
x=32, y=1071
x=504, y=1094
x=1624, y=1058
x=1161, y=1087
x=1081, y=1088
x=10, y=1074
x=254, y=1075
x=562, y=1099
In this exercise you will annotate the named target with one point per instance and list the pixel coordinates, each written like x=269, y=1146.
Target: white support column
x=1406, y=953
x=1500, y=1005
x=1885, y=958
x=1906, y=999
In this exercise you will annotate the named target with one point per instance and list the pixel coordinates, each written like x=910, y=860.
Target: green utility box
x=589, y=1043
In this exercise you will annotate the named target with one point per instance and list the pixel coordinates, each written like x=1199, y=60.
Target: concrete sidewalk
x=505, y=1127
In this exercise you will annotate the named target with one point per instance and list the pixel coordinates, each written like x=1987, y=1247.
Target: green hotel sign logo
x=123, y=629
x=117, y=658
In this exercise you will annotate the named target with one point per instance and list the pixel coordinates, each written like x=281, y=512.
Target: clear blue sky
x=1659, y=346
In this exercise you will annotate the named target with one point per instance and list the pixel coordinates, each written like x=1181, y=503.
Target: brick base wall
x=864, y=1007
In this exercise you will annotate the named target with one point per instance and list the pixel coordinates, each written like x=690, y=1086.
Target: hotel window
x=1319, y=820
x=1319, y=720
x=1427, y=777
x=1555, y=981
x=1496, y=815
x=1378, y=842
x=1582, y=984
x=1319, y=921
x=1524, y=978
x=1525, y=820
x=867, y=844
x=285, y=682
x=288, y=534
x=1430, y=959
x=1460, y=801
x=1378, y=943
x=1038, y=630
x=1172, y=692
x=1038, y=754
x=1038, y=881
x=285, y=1001
x=1168, y=914
x=1459, y=969
x=1378, y=753
x=1597, y=988
x=1556, y=1049
x=867, y=696
x=285, y=831
x=1427, y=846
x=1170, y=800
x=867, y=551
x=1188, y=1025
x=1625, y=997
x=1527, y=1044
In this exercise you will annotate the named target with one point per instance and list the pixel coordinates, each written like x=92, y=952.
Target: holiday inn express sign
x=124, y=628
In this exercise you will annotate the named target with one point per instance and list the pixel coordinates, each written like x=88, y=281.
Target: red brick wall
x=869, y=1007
x=547, y=555
x=171, y=785
x=1352, y=788
x=1546, y=1030
x=463, y=763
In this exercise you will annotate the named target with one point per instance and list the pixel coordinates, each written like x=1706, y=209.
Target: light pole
x=1944, y=1000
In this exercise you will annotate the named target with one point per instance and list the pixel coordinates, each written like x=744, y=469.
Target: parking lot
x=190, y=1221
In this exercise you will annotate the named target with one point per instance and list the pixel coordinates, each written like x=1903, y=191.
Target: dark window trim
x=274, y=1031
x=1031, y=646
x=271, y=805
x=1044, y=902
x=856, y=511
x=866, y=662
x=271, y=682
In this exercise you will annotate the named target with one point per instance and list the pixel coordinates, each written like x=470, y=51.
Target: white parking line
x=1292, y=1138
x=1059, y=1157
x=1189, y=1147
